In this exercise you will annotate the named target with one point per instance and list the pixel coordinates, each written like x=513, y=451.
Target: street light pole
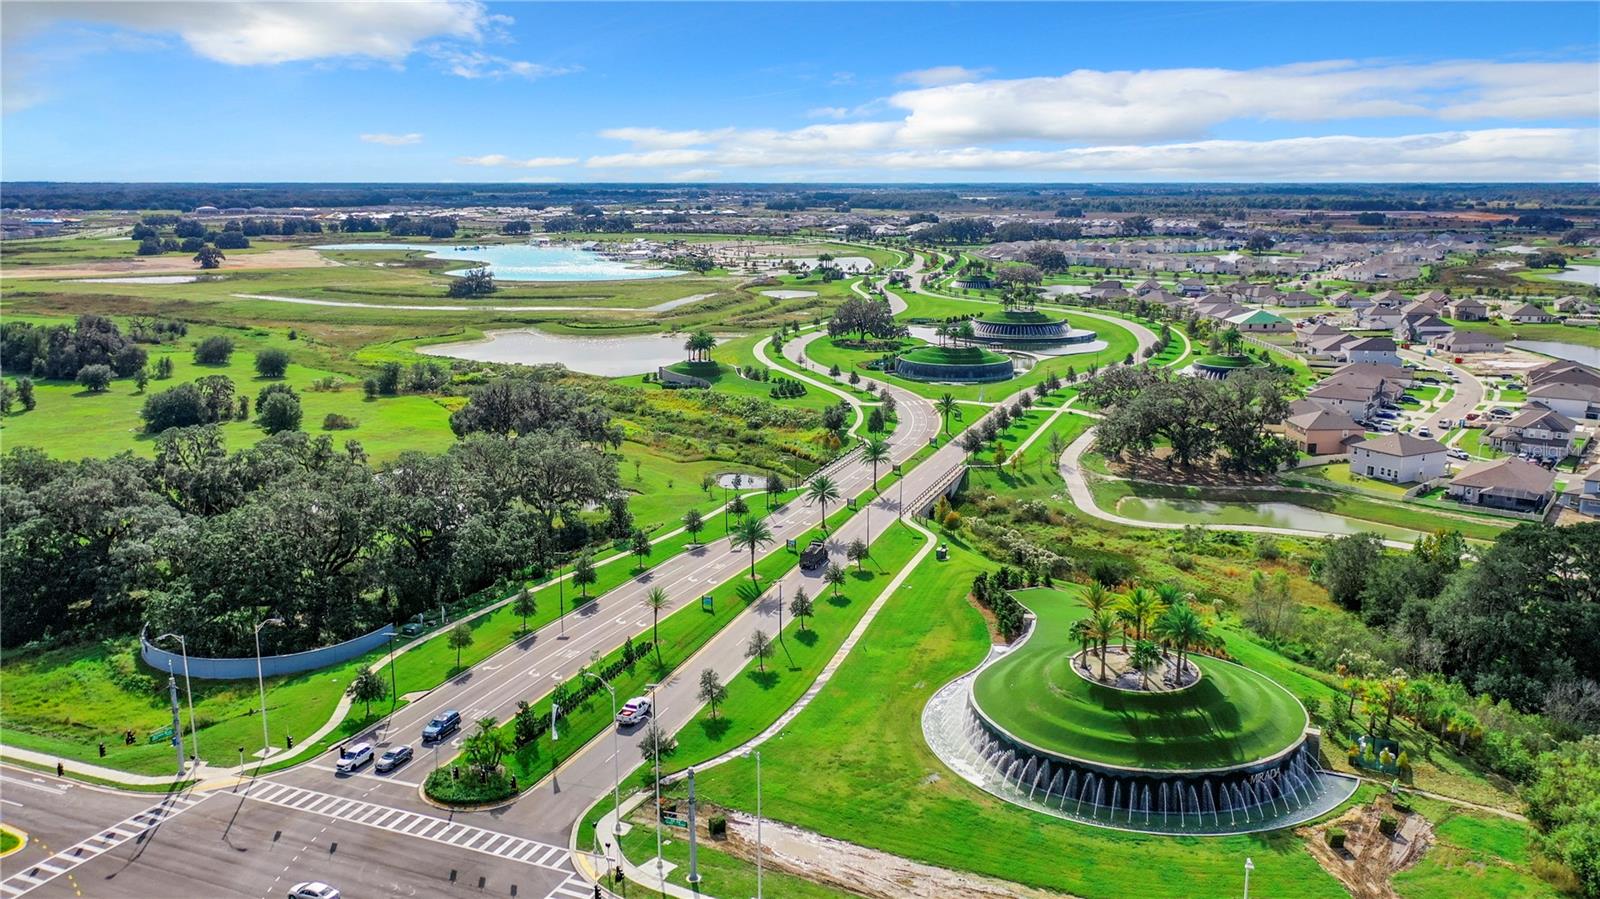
x=261, y=685
x=616, y=772
x=655, y=729
x=1249, y=866
x=194, y=735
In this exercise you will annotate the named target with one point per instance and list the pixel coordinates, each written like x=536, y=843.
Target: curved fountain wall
x=1046, y=332
x=1282, y=791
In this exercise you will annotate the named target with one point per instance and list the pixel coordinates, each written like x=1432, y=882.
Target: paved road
x=55, y=813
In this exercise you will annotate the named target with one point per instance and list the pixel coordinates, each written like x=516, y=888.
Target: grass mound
x=1020, y=317
x=952, y=355
x=1225, y=361
x=1232, y=717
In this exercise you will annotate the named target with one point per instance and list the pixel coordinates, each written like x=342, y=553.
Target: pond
x=149, y=279
x=525, y=262
x=1579, y=274
x=1277, y=515
x=611, y=357
x=1571, y=352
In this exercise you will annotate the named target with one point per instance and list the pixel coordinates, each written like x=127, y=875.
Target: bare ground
x=1369, y=860
x=863, y=871
x=177, y=263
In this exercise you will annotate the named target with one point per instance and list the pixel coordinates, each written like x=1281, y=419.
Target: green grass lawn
x=952, y=355
x=1474, y=855
x=854, y=766
x=1339, y=473
x=721, y=873
x=1233, y=716
x=1218, y=361
x=9, y=841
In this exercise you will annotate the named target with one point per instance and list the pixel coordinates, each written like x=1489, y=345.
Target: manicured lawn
x=952, y=355
x=1475, y=855
x=9, y=841
x=1339, y=473
x=1231, y=717
x=854, y=766
x=721, y=873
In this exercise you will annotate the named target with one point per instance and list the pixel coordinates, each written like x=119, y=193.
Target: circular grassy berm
x=1021, y=317
x=952, y=355
x=1227, y=361
x=1233, y=717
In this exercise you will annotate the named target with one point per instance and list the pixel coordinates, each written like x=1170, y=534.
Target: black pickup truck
x=814, y=556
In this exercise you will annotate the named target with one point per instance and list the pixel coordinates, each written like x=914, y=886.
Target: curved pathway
x=1077, y=482
x=350, y=304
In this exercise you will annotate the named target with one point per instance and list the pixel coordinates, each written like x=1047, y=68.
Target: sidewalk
x=45, y=760
x=644, y=876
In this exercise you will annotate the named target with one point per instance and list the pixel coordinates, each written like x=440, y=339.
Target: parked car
x=442, y=726
x=394, y=757
x=1472, y=416
x=1386, y=413
x=411, y=629
x=1457, y=454
x=313, y=889
x=1424, y=432
x=634, y=711
x=354, y=758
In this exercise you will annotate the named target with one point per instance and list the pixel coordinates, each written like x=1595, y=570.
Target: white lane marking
x=73, y=856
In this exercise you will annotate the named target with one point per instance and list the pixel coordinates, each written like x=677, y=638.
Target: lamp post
x=194, y=735
x=616, y=773
x=1249, y=866
x=655, y=728
x=561, y=600
x=261, y=685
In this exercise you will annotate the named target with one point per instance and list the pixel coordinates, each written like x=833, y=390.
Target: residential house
x=1529, y=314
x=1536, y=431
x=1576, y=305
x=1305, y=334
x=1358, y=392
x=1382, y=350
x=1299, y=299
x=1513, y=484
x=1457, y=343
x=1378, y=318
x=1571, y=388
x=1437, y=297
x=1323, y=432
x=1399, y=458
x=1421, y=328
x=1191, y=287
x=1468, y=309
x=1589, y=495
x=1374, y=372
x=1389, y=299
x=1257, y=321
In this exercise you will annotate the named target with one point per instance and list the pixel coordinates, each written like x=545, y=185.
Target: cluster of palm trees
x=954, y=331
x=1159, y=621
x=699, y=346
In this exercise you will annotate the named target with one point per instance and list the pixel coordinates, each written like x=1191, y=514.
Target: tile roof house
x=1357, y=393
x=1589, y=494
x=1258, y=321
x=1322, y=432
x=1468, y=309
x=1504, y=484
x=1399, y=458
x=1299, y=299
x=1304, y=334
x=1421, y=327
x=1536, y=431
x=1529, y=314
x=1458, y=342
x=1372, y=349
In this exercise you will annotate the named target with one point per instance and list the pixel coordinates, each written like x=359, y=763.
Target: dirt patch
x=859, y=870
x=1370, y=858
x=289, y=257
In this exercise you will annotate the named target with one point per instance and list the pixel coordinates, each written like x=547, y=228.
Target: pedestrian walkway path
x=37, y=875
x=412, y=824
x=48, y=762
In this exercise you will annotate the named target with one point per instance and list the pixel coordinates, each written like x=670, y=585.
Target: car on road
x=354, y=758
x=313, y=889
x=1424, y=432
x=394, y=757
x=815, y=556
x=634, y=711
x=442, y=726
x=1457, y=454
x=1444, y=423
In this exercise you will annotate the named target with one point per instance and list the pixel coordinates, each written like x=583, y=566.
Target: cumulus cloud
x=478, y=64
x=393, y=140
x=500, y=160
x=941, y=75
x=1162, y=122
x=253, y=32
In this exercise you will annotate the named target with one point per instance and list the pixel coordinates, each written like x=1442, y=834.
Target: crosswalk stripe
x=103, y=841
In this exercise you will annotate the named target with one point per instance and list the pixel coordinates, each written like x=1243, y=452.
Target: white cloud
x=477, y=64
x=393, y=140
x=941, y=75
x=828, y=112
x=253, y=32
x=660, y=138
x=500, y=160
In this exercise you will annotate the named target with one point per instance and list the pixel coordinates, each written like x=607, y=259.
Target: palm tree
x=1144, y=658
x=656, y=599
x=1102, y=625
x=1232, y=340
x=1182, y=629
x=875, y=450
x=1143, y=607
x=947, y=406
x=1083, y=631
x=699, y=346
x=821, y=491
x=751, y=533
x=1097, y=598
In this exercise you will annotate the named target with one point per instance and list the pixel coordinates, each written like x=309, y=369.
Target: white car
x=354, y=758
x=634, y=711
x=314, y=889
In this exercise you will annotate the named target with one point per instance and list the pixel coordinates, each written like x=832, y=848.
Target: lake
x=526, y=262
x=1277, y=515
x=1571, y=352
x=1579, y=274
x=610, y=357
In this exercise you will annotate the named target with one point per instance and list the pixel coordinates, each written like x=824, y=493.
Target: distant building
x=1458, y=343
x=1259, y=321
x=1322, y=432
x=1529, y=314
x=1381, y=350
x=1468, y=310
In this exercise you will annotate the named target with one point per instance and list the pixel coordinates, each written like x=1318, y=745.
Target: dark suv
x=442, y=726
x=814, y=556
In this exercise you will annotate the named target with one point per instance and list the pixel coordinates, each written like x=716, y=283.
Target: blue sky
x=455, y=90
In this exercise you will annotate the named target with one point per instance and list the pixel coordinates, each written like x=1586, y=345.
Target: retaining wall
x=289, y=663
